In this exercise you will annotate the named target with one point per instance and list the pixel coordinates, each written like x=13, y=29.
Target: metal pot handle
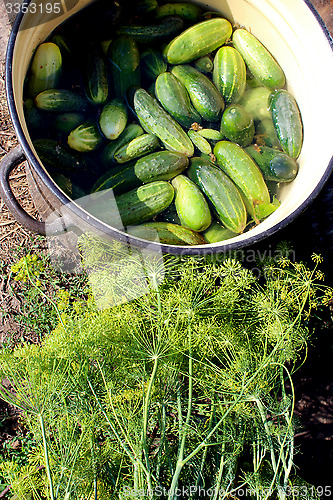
x=8, y=163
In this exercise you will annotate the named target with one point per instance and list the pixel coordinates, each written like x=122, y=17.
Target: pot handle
x=8, y=163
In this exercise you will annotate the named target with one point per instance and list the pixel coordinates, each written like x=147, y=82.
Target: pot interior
x=294, y=36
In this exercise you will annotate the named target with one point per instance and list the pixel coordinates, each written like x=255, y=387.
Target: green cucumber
x=259, y=60
x=164, y=29
x=204, y=64
x=274, y=165
x=123, y=54
x=105, y=44
x=175, y=99
x=256, y=102
x=142, y=145
x=113, y=119
x=66, y=122
x=211, y=134
x=244, y=172
x=266, y=135
x=143, y=203
x=124, y=58
x=152, y=64
x=139, y=205
x=287, y=122
x=60, y=158
x=85, y=138
x=60, y=101
x=237, y=125
x=170, y=215
x=64, y=46
x=185, y=10
x=130, y=132
x=216, y=232
x=69, y=188
x=32, y=115
x=191, y=205
x=154, y=119
x=229, y=73
x=45, y=69
x=143, y=7
x=205, y=97
x=159, y=166
x=198, y=40
x=221, y=192
x=95, y=76
x=166, y=233
x=200, y=142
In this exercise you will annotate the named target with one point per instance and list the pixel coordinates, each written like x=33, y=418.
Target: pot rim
x=120, y=235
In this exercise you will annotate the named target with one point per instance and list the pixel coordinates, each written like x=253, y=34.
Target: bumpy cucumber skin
x=240, y=167
x=229, y=73
x=45, y=69
x=124, y=58
x=95, y=77
x=175, y=99
x=123, y=54
x=144, y=144
x=237, y=125
x=166, y=27
x=268, y=71
x=132, y=131
x=113, y=119
x=85, y=138
x=275, y=165
x=154, y=119
x=216, y=232
x=221, y=193
x=200, y=142
x=204, y=64
x=143, y=203
x=159, y=166
x=152, y=64
x=287, y=122
x=186, y=11
x=167, y=233
x=60, y=101
x=211, y=134
x=256, y=102
x=205, y=97
x=198, y=40
x=191, y=205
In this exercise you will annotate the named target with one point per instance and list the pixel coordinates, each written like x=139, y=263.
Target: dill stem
x=205, y=442
x=180, y=458
x=145, y=420
x=162, y=424
x=268, y=434
x=180, y=416
x=220, y=473
x=46, y=453
x=204, y=455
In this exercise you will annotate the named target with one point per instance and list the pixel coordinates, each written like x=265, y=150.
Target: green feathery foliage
x=180, y=384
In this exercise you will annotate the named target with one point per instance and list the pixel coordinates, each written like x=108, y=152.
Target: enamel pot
x=292, y=31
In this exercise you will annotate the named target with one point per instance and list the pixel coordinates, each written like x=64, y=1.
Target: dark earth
x=312, y=232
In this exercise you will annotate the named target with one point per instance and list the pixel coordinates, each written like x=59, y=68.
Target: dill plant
x=184, y=388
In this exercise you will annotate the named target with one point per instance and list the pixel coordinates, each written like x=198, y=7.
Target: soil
x=313, y=383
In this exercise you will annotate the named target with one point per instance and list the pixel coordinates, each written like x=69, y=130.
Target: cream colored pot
x=295, y=35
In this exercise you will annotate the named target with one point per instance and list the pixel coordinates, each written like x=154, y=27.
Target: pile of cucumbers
x=168, y=111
